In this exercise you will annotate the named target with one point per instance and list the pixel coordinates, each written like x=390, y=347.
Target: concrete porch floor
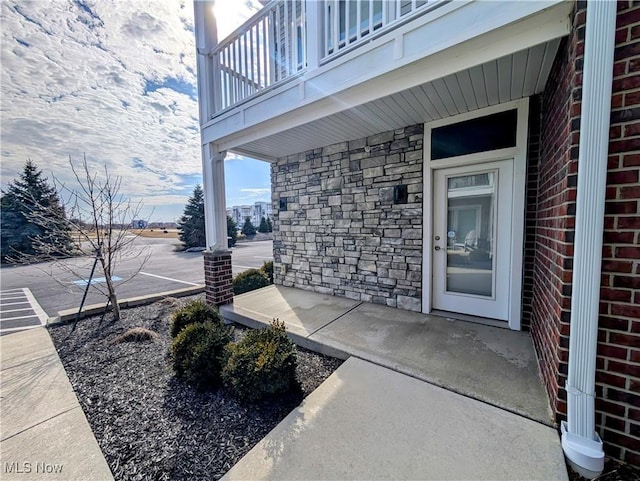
x=494, y=365
x=384, y=414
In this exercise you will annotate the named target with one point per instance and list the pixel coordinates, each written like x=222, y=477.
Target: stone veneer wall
x=342, y=234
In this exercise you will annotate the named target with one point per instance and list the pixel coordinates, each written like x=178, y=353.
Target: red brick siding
x=618, y=362
x=552, y=266
x=218, y=278
x=618, y=359
x=533, y=153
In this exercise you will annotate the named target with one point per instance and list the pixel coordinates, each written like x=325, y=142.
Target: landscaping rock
x=151, y=425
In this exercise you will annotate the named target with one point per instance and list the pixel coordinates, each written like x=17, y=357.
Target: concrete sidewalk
x=385, y=416
x=491, y=364
x=44, y=433
x=368, y=422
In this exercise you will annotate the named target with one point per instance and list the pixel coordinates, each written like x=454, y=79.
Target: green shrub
x=198, y=353
x=263, y=363
x=249, y=280
x=267, y=270
x=194, y=312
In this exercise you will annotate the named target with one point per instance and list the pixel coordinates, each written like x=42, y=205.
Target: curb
x=93, y=309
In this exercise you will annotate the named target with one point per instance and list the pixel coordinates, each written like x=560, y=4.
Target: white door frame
x=519, y=155
x=494, y=306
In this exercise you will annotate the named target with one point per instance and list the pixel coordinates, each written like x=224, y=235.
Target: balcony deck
x=294, y=77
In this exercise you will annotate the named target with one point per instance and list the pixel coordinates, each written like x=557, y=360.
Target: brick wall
x=618, y=362
x=341, y=233
x=218, y=278
x=618, y=358
x=552, y=266
x=533, y=160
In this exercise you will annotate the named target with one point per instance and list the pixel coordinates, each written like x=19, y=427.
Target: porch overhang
x=503, y=64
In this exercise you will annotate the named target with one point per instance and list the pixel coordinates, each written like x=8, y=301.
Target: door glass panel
x=470, y=233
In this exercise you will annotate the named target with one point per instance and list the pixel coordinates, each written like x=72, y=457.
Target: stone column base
x=218, y=278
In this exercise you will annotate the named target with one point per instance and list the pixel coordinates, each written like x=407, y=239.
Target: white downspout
x=580, y=441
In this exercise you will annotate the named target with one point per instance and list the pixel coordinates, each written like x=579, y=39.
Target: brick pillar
x=218, y=278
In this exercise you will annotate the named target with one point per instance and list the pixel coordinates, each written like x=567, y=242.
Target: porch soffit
x=512, y=77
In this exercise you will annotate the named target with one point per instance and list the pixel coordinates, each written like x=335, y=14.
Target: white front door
x=472, y=239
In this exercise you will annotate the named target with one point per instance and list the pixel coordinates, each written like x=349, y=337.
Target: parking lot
x=19, y=310
x=43, y=290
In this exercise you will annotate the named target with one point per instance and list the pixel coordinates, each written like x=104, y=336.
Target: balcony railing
x=346, y=22
x=268, y=48
x=288, y=36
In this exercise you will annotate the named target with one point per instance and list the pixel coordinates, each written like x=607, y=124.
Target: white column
x=312, y=32
x=215, y=210
x=206, y=33
x=580, y=442
x=220, y=202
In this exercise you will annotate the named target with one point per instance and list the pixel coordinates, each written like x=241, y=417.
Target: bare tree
x=99, y=219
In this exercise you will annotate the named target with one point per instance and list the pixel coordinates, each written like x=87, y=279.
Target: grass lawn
x=156, y=233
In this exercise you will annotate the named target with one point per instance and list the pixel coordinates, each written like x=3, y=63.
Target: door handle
x=437, y=248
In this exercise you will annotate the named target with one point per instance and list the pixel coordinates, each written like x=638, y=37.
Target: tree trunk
x=112, y=290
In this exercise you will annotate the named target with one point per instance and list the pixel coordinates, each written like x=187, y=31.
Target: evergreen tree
x=264, y=227
x=248, y=228
x=27, y=198
x=232, y=231
x=269, y=225
x=191, y=224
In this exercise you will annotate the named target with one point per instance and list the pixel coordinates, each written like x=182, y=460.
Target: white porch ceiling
x=512, y=77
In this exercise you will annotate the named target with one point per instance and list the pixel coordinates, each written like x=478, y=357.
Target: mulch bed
x=613, y=471
x=153, y=426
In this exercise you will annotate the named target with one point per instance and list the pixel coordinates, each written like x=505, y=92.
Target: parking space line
x=36, y=307
x=20, y=297
x=10, y=298
x=244, y=267
x=18, y=317
x=12, y=329
x=16, y=310
x=170, y=279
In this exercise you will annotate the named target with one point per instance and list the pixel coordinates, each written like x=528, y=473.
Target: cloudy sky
x=114, y=79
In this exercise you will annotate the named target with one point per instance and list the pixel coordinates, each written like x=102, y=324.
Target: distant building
x=255, y=212
x=139, y=224
x=262, y=209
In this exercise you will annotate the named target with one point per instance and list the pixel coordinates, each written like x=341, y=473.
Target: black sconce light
x=400, y=194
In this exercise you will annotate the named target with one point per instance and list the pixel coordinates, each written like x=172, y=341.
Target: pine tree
x=191, y=225
x=248, y=228
x=232, y=231
x=26, y=198
x=264, y=227
x=269, y=225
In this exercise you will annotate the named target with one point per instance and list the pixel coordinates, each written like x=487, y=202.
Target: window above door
x=481, y=134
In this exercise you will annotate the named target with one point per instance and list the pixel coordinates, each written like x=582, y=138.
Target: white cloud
x=257, y=192
x=112, y=79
